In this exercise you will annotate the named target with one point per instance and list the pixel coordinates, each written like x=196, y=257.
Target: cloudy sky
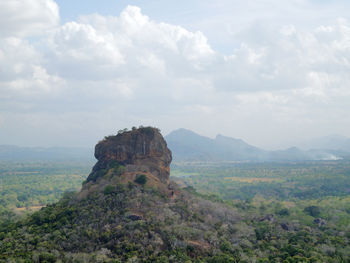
x=270, y=72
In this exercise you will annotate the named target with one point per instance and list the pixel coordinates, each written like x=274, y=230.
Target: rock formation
x=127, y=211
x=128, y=154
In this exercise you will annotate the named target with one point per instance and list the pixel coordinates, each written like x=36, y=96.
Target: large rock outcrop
x=130, y=153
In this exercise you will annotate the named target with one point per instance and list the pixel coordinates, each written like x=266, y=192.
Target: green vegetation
x=300, y=212
x=27, y=186
x=121, y=227
x=141, y=179
x=295, y=212
x=281, y=181
x=313, y=210
x=109, y=189
x=147, y=129
x=113, y=168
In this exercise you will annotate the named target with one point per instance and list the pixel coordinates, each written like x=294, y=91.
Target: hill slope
x=128, y=211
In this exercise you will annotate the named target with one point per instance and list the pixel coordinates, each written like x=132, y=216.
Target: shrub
x=113, y=164
x=108, y=189
x=223, y=258
x=283, y=212
x=313, y=210
x=47, y=257
x=141, y=179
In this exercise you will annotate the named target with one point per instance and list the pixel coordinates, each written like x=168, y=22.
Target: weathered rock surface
x=139, y=151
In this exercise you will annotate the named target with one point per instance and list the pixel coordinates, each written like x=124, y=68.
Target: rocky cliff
x=123, y=157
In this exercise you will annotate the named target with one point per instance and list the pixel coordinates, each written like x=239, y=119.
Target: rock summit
x=128, y=154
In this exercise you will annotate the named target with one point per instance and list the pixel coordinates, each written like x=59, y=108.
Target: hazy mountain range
x=331, y=142
x=189, y=146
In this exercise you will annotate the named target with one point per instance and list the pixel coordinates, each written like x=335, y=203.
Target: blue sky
x=218, y=20
x=270, y=72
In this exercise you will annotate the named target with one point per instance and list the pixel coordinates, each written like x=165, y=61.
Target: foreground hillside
x=123, y=222
x=128, y=211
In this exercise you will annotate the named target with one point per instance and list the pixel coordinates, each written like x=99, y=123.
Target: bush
x=47, y=257
x=141, y=179
x=313, y=210
x=113, y=164
x=283, y=212
x=224, y=258
x=108, y=189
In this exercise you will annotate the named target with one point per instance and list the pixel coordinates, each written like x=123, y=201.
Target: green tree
x=141, y=179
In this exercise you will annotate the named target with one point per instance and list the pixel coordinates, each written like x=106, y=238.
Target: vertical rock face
x=142, y=150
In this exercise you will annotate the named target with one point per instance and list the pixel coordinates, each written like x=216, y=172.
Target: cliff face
x=139, y=151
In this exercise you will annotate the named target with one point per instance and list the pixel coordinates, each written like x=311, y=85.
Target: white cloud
x=100, y=47
x=138, y=71
x=22, y=72
x=27, y=17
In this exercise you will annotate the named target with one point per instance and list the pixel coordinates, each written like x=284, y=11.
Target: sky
x=270, y=72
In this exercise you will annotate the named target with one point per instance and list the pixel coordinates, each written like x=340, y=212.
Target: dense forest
x=243, y=212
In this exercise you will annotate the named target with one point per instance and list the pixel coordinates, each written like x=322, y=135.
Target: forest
x=278, y=212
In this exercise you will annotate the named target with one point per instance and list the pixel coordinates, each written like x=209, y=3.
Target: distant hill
x=331, y=142
x=189, y=146
x=16, y=153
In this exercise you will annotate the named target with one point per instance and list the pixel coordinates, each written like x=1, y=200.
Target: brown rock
x=142, y=150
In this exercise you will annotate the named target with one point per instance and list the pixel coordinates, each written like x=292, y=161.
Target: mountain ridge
x=189, y=146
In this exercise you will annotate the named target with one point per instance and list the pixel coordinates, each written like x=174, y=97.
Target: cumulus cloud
x=128, y=45
x=27, y=17
x=116, y=71
x=22, y=73
x=130, y=58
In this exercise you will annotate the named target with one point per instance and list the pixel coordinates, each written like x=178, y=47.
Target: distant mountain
x=189, y=146
x=331, y=142
x=16, y=153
